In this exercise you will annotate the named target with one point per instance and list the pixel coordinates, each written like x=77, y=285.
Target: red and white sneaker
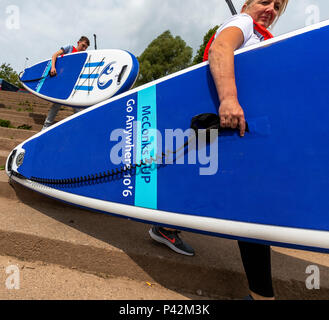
x=172, y=240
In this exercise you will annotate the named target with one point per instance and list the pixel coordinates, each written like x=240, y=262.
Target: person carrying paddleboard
x=83, y=45
x=242, y=30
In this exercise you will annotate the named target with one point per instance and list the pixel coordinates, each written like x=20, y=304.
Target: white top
x=67, y=49
x=246, y=24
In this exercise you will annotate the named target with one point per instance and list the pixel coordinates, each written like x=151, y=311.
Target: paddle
x=95, y=38
x=231, y=6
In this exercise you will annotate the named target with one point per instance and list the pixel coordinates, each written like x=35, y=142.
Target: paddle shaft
x=231, y=6
x=95, y=38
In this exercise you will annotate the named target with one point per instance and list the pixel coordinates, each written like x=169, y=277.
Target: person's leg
x=51, y=115
x=170, y=238
x=76, y=110
x=256, y=260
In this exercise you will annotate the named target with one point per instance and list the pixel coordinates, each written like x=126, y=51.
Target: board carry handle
x=209, y=121
x=122, y=72
x=10, y=166
x=10, y=161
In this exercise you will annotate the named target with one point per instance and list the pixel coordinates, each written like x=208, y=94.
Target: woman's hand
x=232, y=115
x=221, y=61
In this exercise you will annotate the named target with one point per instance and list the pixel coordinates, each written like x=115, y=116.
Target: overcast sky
x=35, y=29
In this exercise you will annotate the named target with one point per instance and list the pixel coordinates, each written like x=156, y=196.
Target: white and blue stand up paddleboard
x=272, y=186
x=83, y=78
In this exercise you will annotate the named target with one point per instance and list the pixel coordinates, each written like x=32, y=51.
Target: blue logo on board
x=107, y=76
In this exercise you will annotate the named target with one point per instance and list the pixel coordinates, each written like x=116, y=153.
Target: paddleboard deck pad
x=84, y=78
x=269, y=187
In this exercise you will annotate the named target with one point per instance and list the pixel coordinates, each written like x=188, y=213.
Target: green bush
x=7, y=124
x=4, y=123
x=25, y=127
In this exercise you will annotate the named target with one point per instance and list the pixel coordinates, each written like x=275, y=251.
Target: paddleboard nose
x=15, y=160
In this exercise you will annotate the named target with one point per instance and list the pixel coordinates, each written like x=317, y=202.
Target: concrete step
x=29, y=118
x=22, y=101
x=35, y=123
x=14, y=105
x=22, y=118
x=34, y=127
x=43, y=281
x=7, y=95
x=35, y=228
x=18, y=111
x=10, y=94
x=9, y=139
x=21, y=121
x=18, y=134
x=35, y=111
x=8, y=144
x=20, y=115
x=32, y=104
x=3, y=157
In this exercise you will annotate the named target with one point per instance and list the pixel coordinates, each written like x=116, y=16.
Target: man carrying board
x=83, y=45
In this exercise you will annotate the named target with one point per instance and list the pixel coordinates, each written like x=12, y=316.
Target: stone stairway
x=26, y=114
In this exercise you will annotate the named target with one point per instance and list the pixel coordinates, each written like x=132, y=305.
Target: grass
x=28, y=109
x=7, y=124
x=25, y=103
x=25, y=127
x=2, y=168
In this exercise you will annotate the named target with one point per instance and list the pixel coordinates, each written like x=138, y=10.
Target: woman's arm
x=221, y=61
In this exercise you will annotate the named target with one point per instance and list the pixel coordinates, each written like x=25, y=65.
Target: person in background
x=83, y=45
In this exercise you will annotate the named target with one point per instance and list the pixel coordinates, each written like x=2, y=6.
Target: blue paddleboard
x=270, y=186
x=84, y=78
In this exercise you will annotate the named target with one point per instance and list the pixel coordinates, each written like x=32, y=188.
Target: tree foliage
x=7, y=73
x=165, y=55
x=199, y=56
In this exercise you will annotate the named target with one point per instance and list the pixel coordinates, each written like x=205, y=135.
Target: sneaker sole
x=169, y=244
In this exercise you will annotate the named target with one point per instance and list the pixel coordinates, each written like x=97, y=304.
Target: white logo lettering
x=13, y=281
x=313, y=281
x=313, y=13
x=13, y=18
